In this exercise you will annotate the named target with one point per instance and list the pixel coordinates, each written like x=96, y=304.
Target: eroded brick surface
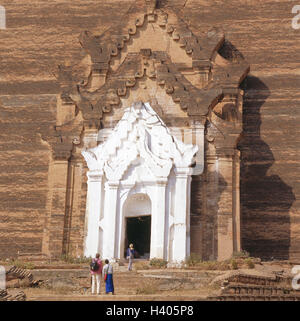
x=41, y=36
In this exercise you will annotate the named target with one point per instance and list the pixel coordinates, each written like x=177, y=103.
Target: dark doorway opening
x=138, y=232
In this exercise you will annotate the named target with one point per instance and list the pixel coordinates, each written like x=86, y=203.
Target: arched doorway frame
x=144, y=210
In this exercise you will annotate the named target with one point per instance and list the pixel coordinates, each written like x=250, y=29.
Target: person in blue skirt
x=108, y=278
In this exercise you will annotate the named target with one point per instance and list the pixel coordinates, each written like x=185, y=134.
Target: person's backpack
x=94, y=266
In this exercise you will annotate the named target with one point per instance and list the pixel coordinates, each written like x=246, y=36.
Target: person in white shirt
x=108, y=277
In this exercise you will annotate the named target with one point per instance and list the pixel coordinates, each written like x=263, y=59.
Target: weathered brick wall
x=42, y=34
x=24, y=169
x=261, y=31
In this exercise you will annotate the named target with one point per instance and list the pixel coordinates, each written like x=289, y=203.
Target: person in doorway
x=130, y=256
x=108, y=278
x=96, y=272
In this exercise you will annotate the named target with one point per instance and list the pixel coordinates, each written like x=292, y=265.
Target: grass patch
x=20, y=264
x=214, y=265
x=76, y=260
x=237, y=261
x=158, y=263
x=193, y=260
x=241, y=254
x=234, y=264
x=250, y=263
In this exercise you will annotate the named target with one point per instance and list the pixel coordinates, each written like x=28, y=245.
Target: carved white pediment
x=139, y=134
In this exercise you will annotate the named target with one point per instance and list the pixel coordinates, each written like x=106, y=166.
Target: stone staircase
x=242, y=287
x=142, y=285
x=148, y=283
x=18, y=273
x=5, y=296
x=153, y=284
x=18, y=277
x=118, y=297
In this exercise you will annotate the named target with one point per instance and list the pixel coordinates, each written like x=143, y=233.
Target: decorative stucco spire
x=140, y=134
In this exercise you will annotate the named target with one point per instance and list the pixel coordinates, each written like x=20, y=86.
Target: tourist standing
x=130, y=256
x=96, y=272
x=108, y=278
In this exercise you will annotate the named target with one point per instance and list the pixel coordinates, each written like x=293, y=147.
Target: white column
x=236, y=202
x=188, y=216
x=181, y=214
x=158, y=221
x=121, y=228
x=110, y=217
x=94, y=212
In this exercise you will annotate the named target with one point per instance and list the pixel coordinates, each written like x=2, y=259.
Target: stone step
x=61, y=266
x=125, y=282
x=82, y=278
x=117, y=297
x=176, y=275
x=259, y=280
x=230, y=297
x=246, y=289
x=20, y=296
x=3, y=293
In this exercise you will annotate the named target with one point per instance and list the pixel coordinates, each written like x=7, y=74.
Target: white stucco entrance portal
x=141, y=169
